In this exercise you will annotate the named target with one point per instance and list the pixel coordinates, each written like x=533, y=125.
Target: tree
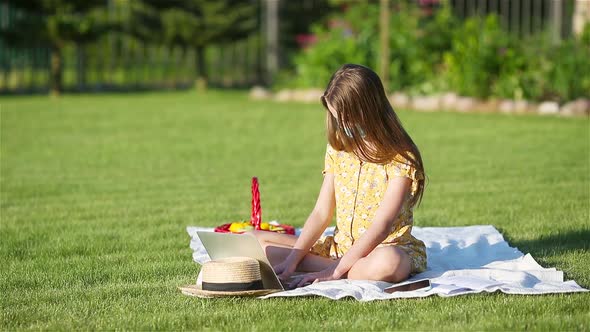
x=193, y=24
x=53, y=24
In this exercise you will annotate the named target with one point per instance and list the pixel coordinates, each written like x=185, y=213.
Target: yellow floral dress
x=359, y=188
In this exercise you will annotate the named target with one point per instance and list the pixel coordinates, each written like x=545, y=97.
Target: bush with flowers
x=438, y=53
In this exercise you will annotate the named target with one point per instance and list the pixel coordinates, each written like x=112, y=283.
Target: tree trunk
x=55, y=75
x=81, y=67
x=272, y=39
x=384, y=43
x=201, y=81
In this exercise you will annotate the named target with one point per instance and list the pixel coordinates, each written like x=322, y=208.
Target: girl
x=373, y=177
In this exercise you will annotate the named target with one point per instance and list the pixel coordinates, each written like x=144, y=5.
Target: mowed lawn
x=96, y=192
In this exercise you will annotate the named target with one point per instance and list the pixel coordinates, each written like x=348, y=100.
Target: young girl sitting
x=373, y=177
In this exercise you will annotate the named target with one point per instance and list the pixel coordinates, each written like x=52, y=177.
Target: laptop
x=224, y=245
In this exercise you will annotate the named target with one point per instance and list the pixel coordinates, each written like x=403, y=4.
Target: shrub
x=408, y=65
x=568, y=77
x=539, y=70
x=522, y=72
x=435, y=39
x=350, y=42
x=475, y=57
x=481, y=50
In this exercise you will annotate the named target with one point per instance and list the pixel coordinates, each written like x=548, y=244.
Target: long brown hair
x=366, y=123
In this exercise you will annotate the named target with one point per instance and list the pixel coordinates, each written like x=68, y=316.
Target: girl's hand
x=309, y=278
x=285, y=269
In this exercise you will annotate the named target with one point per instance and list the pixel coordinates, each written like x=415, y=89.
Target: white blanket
x=461, y=260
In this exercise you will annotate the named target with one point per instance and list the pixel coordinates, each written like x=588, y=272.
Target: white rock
x=548, y=107
x=506, y=106
x=400, y=100
x=426, y=103
x=578, y=107
x=310, y=96
x=466, y=104
x=521, y=106
x=284, y=95
x=448, y=101
x=532, y=107
x=258, y=92
x=488, y=106
x=297, y=95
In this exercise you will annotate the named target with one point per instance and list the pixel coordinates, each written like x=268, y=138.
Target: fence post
x=556, y=20
x=526, y=18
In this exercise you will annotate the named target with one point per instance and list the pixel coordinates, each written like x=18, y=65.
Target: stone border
x=443, y=102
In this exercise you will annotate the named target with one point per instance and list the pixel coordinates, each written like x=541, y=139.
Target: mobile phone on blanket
x=409, y=286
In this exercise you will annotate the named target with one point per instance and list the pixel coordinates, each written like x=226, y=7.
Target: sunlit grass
x=96, y=192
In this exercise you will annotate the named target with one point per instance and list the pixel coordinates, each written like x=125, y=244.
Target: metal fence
x=523, y=17
x=120, y=62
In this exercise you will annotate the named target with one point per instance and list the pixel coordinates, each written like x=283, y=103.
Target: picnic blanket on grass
x=461, y=260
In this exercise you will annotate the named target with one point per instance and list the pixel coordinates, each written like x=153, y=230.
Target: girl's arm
x=316, y=223
x=386, y=214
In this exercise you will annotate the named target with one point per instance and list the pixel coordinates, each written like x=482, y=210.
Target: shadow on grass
x=131, y=87
x=554, y=244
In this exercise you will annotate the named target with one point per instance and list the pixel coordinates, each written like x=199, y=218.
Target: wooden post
x=201, y=67
x=581, y=16
x=384, y=43
x=55, y=76
x=272, y=39
x=556, y=15
x=259, y=54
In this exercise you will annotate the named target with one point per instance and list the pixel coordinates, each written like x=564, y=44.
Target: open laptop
x=223, y=245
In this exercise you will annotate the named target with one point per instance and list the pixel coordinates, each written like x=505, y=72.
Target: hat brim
x=193, y=290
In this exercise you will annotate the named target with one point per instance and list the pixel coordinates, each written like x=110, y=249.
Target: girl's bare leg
x=387, y=263
x=278, y=246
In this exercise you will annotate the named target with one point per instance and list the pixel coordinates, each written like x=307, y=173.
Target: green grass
x=96, y=192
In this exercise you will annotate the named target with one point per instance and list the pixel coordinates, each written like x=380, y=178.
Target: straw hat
x=234, y=276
